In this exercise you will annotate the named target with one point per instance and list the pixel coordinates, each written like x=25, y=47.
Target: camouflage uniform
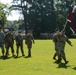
x=28, y=40
x=19, y=43
x=55, y=40
x=61, y=46
x=9, y=42
x=2, y=41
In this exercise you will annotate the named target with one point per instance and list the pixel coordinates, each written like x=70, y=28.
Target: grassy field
x=41, y=62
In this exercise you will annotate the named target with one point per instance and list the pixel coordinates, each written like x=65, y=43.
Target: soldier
x=9, y=42
x=55, y=40
x=19, y=43
x=28, y=40
x=61, y=45
x=2, y=41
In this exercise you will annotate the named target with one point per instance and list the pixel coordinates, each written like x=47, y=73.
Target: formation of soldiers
x=7, y=40
x=60, y=39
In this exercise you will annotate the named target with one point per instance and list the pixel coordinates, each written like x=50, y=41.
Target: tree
x=3, y=18
x=43, y=15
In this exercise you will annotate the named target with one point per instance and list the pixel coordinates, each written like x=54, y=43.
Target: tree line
x=42, y=16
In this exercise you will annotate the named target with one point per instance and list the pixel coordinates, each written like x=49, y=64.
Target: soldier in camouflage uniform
x=61, y=45
x=28, y=40
x=9, y=42
x=2, y=41
x=19, y=43
x=55, y=40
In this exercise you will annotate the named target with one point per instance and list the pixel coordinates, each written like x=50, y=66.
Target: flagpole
x=65, y=24
x=68, y=20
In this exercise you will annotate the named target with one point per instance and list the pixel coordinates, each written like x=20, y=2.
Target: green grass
x=41, y=62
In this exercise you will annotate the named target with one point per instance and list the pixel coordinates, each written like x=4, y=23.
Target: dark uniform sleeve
x=68, y=41
x=33, y=39
x=54, y=38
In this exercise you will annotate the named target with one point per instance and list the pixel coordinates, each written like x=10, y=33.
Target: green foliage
x=41, y=62
x=3, y=18
x=43, y=15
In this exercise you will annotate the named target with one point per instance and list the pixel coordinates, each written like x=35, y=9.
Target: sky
x=14, y=14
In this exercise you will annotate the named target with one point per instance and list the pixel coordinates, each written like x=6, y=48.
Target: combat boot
x=66, y=62
x=13, y=55
x=29, y=53
x=54, y=57
x=23, y=54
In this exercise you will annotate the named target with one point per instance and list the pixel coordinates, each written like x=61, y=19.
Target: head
x=30, y=32
x=10, y=30
x=57, y=30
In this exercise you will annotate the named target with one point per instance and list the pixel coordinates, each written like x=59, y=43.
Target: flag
x=71, y=18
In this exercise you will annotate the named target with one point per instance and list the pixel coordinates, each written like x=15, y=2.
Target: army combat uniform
x=9, y=42
x=19, y=43
x=29, y=40
x=61, y=45
x=55, y=40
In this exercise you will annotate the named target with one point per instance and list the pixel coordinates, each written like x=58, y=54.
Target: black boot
x=66, y=62
x=54, y=57
x=29, y=53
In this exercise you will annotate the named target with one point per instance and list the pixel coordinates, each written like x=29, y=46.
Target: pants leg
x=2, y=47
x=63, y=55
x=17, y=51
x=7, y=49
x=21, y=47
x=29, y=52
x=54, y=57
x=12, y=50
x=29, y=49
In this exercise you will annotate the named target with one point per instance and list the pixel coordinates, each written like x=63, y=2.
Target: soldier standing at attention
x=29, y=39
x=2, y=41
x=9, y=42
x=19, y=43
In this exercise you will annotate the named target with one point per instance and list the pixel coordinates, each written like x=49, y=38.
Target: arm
x=33, y=39
x=68, y=41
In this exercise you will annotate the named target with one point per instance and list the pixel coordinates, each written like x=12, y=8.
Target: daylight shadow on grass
x=74, y=68
x=4, y=58
x=62, y=65
x=17, y=57
x=56, y=62
x=27, y=57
